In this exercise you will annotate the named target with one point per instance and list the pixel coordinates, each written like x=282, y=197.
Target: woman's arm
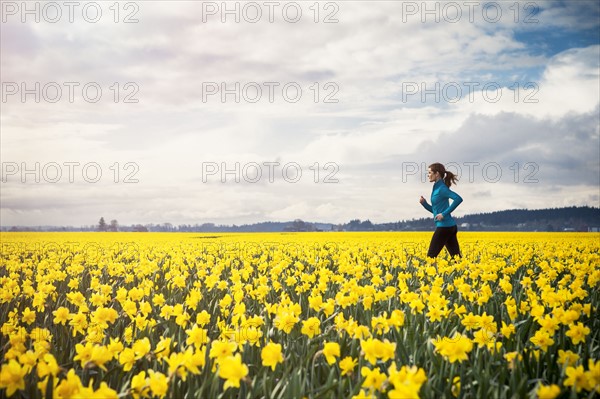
x=423, y=202
x=456, y=200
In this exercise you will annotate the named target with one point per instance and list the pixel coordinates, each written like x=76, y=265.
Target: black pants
x=444, y=236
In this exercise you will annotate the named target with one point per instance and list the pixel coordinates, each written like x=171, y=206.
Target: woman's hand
x=422, y=200
x=439, y=216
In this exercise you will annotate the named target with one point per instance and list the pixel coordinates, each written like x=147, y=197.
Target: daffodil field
x=305, y=315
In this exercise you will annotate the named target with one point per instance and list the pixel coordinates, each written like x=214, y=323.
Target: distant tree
x=299, y=225
x=354, y=225
x=114, y=225
x=140, y=229
x=102, y=225
x=366, y=225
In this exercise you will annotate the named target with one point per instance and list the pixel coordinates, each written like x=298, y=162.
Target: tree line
x=553, y=219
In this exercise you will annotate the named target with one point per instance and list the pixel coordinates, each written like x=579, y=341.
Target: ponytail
x=448, y=177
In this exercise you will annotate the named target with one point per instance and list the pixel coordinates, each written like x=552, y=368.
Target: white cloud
x=370, y=55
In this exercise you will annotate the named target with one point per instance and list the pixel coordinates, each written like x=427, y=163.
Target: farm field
x=298, y=315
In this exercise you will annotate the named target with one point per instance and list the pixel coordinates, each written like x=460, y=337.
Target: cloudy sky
x=194, y=112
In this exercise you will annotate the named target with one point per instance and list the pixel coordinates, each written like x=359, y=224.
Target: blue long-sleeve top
x=440, y=204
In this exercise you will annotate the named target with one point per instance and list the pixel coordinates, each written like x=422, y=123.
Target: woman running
x=445, y=231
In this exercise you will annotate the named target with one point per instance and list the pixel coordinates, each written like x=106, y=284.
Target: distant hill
x=577, y=218
x=583, y=218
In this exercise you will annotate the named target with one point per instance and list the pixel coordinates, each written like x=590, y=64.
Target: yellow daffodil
x=11, y=377
x=232, y=370
x=271, y=355
x=331, y=350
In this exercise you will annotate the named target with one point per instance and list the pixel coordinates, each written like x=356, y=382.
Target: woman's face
x=432, y=176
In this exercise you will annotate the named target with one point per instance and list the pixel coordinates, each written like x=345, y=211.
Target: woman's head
x=437, y=171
